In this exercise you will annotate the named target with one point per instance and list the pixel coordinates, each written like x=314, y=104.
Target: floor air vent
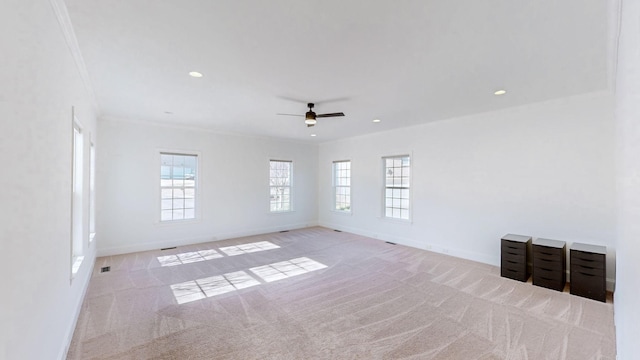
x=284, y=231
x=169, y=248
x=389, y=242
x=105, y=269
x=336, y=230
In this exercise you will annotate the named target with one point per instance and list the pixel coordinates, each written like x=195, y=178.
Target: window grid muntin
x=178, y=174
x=342, y=185
x=280, y=180
x=397, y=175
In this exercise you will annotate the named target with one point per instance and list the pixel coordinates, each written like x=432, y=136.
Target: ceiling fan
x=310, y=116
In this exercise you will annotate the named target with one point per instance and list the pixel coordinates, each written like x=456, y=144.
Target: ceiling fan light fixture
x=376, y=120
x=195, y=74
x=500, y=92
x=310, y=118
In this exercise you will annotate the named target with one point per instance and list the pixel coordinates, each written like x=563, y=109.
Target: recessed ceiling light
x=168, y=112
x=313, y=135
x=196, y=74
x=500, y=92
x=376, y=120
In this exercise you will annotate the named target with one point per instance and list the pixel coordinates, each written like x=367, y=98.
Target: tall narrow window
x=92, y=193
x=280, y=180
x=342, y=186
x=396, y=191
x=77, y=248
x=178, y=186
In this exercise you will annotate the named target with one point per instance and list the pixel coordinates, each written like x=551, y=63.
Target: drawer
x=591, y=262
x=586, y=273
x=510, y=264
x=592, y=287
x=540, y=273
x=589, y=271
x=513, y=247
x=587, y=256
x=515, y=274
x=514, y=257
x=554, y=284
x=555, y=264
x=544, y=252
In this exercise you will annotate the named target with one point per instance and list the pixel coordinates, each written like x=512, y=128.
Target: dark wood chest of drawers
x=514, y=257
x=588, y=271
x=549, y=263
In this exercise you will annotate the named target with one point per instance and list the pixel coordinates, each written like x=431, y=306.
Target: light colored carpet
x=271, y=297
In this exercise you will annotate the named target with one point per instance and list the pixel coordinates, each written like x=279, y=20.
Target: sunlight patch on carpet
x=189, y=291
x=286, y=269
x=248, y=248
x=188, y=257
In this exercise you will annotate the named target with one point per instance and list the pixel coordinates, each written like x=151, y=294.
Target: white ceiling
x=405, y=62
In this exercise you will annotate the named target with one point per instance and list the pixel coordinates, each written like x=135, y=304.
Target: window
x=280, y=174
x=178, y=186
x=77, y=249
x=396, y=177
x=342, y=186
x=92, y=193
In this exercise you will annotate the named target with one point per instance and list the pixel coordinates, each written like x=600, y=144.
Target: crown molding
x=615, y=23
x=60, y=9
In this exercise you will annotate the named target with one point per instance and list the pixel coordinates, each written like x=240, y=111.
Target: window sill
x=178, y=222
x=281, y=212
x=342, y=213
x=397, y=221
x=77, y=263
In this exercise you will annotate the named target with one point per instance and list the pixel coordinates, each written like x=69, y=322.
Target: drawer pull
x=585, y=274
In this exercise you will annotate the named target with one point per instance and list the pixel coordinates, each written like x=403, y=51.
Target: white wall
x=627, y=292
x=39, y=84
x=233, y=186
x=544, y=170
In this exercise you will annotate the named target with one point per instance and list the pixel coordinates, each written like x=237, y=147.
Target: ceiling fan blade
x=310, y=125
x=329, y=115
x=290, y=114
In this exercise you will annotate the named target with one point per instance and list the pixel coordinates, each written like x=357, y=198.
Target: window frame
x=92, y=191
x=77, y=224
x=289, y=186
x=196, y=188
x=335, y=186
x=408, y=198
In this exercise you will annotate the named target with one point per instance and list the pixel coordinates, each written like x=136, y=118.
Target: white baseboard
x=155, y=245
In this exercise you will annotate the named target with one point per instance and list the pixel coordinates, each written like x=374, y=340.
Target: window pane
x=178, y=214
x=178, y=160
x=189, y=204
x=165, y=215
x=178, y=193
x=189, y=214
x=167, y=204
x=189, y=193
x=166, y=159
x=167, y=193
